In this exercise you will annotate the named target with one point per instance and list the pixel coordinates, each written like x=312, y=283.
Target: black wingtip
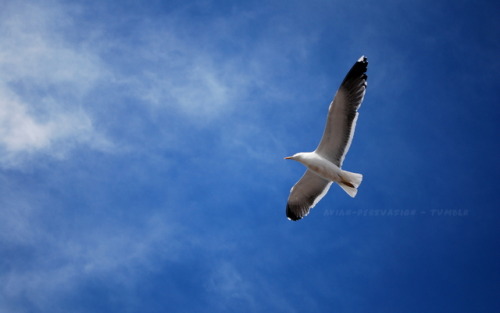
x=358, y=70
x=291, y=215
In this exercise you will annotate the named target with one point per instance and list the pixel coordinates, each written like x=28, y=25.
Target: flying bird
x=324, y=165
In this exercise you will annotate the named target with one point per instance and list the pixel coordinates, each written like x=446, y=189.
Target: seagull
x=324, y=165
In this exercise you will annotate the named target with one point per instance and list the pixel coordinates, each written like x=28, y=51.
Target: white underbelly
x=326, y=169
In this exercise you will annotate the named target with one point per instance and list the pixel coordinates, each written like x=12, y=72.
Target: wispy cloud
x=230, y=286
x=23, y=133
x=59, y=85
x=44, y=80
x=60, y=263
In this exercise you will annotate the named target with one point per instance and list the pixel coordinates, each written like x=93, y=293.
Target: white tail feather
x=350, y=190
x=351, y=182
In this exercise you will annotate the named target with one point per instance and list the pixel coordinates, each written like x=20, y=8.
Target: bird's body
x=324, y=164
x=319, y=165
x=327, y=170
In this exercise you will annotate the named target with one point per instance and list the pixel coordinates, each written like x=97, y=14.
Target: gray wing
x=343, y=113
x=305, y=194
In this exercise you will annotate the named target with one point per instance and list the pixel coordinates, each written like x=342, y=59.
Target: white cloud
x=23, y=132
x=198, y=90
x=19, y=131
x=173, y=74
x=44, y=79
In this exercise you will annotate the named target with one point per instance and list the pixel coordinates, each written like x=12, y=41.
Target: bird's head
x=296, y=157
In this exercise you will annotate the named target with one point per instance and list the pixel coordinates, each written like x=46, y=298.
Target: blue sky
x=142, y=147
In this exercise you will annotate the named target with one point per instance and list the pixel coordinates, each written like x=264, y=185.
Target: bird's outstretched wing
x=343, y=113
x=305, y=194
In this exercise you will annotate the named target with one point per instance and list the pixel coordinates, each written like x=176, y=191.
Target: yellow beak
x=288, y=158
